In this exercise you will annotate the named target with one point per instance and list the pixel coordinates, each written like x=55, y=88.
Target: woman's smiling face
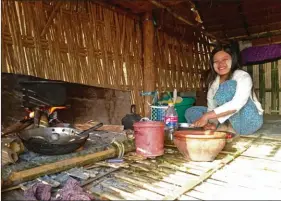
x=222, y=63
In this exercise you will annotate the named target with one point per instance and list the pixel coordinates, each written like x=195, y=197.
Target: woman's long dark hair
x=233, y=52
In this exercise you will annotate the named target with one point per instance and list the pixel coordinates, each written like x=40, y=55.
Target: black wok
x=55, y=140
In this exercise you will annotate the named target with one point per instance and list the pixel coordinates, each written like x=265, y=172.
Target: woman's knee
x=225, y=92
x=194, y=113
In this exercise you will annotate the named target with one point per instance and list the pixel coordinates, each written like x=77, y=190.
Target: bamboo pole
x=257, y=35
x=148, y=68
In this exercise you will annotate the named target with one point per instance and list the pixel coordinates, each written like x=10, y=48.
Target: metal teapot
x=131, y=118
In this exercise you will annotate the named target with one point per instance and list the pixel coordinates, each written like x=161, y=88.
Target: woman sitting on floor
x=232, y=103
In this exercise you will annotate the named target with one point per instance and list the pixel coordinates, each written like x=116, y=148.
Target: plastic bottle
x=171, y=122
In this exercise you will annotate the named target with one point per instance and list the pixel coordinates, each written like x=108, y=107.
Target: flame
x=52, y=109
x=31, y=115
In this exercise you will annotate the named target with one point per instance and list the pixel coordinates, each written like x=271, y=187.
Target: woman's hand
x=210, y=126
x=203, y=121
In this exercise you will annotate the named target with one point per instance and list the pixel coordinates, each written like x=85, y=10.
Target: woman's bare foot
x=227, y=127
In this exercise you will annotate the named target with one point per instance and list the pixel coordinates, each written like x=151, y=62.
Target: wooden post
x=149, y=83
x=262, y=85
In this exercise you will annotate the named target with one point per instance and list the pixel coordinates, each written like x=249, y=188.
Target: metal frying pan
x=55, y=140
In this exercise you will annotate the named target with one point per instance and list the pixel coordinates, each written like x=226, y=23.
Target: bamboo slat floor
x=247, y=168
x=167, y=177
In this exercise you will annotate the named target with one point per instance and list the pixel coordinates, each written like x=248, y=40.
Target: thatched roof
x=244, y=20
x=256, y=20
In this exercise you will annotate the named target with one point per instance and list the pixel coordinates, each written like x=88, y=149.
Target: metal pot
x=130, y=119
x=55, y=140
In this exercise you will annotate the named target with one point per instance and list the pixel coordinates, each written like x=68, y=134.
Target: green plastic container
x=181, y=107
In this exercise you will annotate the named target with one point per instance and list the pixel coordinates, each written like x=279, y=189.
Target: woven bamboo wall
x=267, y=84
x=82, y=42
x=180, y=64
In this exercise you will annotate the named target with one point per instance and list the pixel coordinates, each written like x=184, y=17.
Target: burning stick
x=44, y=116
x=38, y=117
x=18, y=126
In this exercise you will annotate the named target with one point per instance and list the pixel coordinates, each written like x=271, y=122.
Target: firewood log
x=18, y=126
x=13, y=143
x=44, y=122
x=8, y=156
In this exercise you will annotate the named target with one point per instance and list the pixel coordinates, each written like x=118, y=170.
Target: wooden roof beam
x=259, y=35
x=253, y=29
x=117, y=9
x=251, y=10
x=266, y=41
x=179, y=17
x=160, y=5
x=53, y=14
x=250, y=20
x=243, y=18
x=173, y=3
